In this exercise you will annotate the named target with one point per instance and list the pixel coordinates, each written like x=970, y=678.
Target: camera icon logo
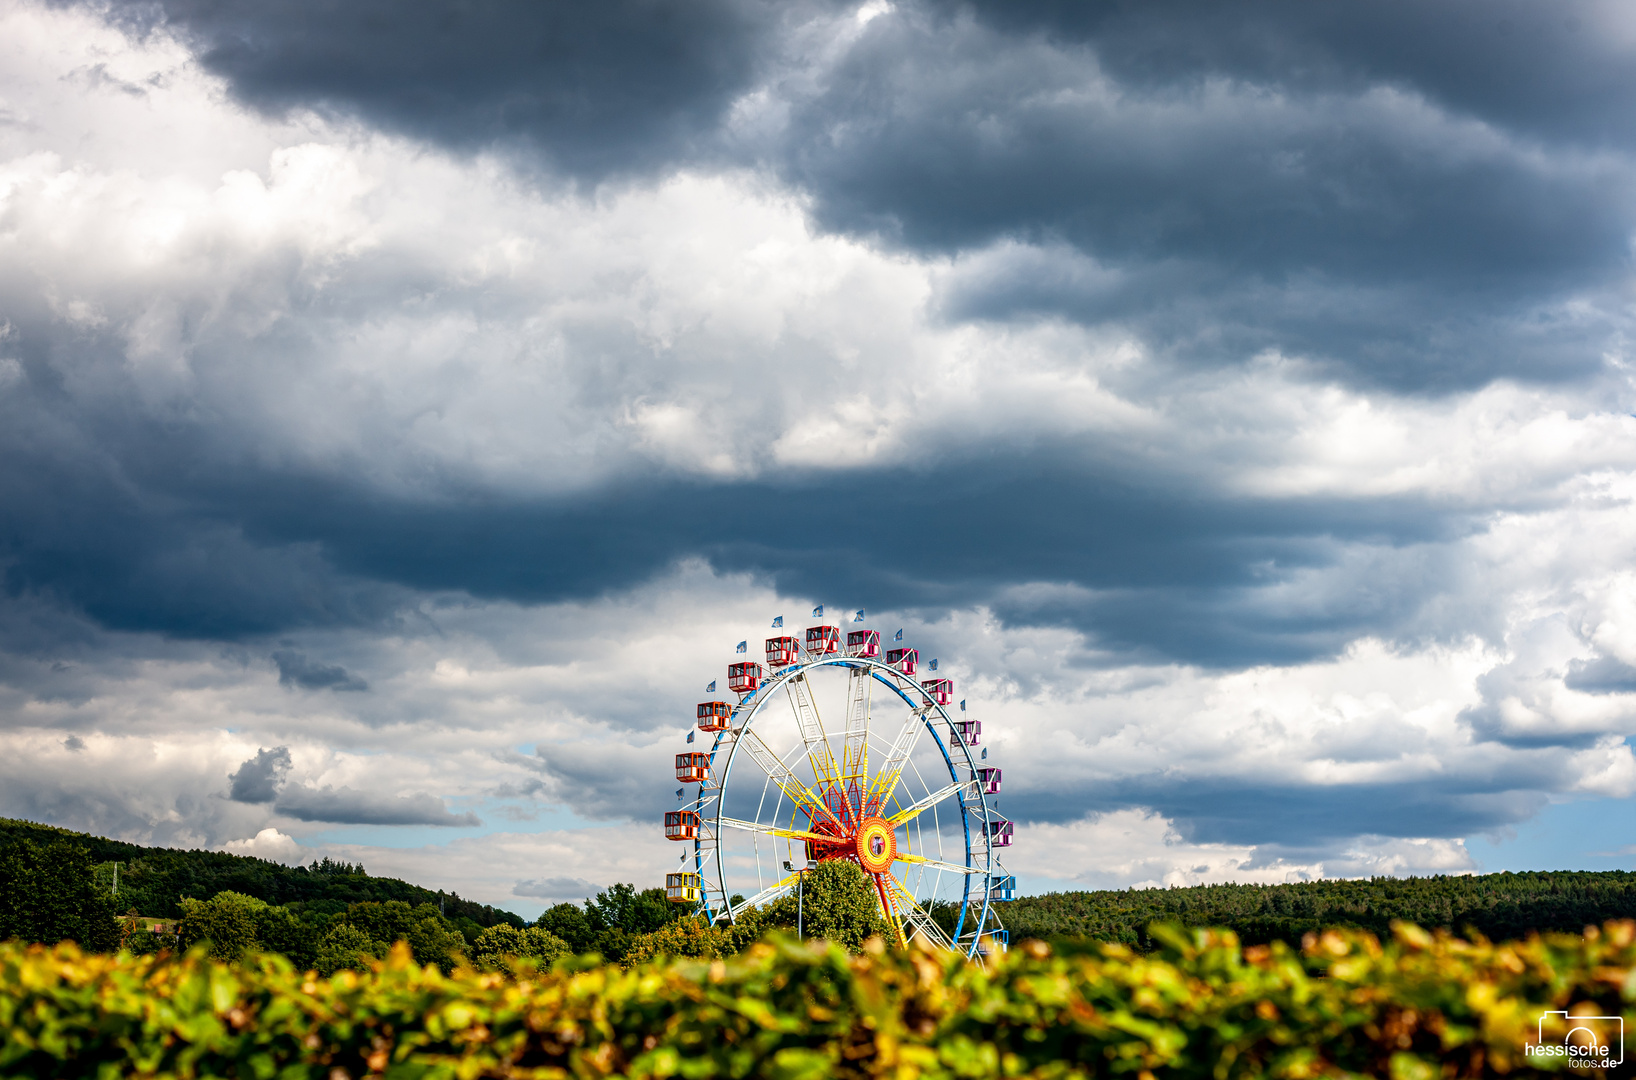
x=1589, y=1042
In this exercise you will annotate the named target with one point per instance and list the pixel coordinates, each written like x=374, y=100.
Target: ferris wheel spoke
x=923, y=923
x=921, y=805
x=767, y=895
x=811, y=727
x=939, y=864
x=780, y=774
x=903, y=746
x=773, y=830
x=855, y=750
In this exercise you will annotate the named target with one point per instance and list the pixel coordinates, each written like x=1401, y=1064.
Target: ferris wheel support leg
x=889, y=909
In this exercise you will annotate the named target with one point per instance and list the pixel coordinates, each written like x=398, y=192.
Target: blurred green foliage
x=1417, y=1006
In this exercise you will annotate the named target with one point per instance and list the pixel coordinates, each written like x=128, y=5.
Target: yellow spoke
x=921, y=860
x=917, y=915
x=773, y=830
x=915, y=809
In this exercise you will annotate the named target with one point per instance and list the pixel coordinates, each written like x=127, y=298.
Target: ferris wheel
x=895, y=782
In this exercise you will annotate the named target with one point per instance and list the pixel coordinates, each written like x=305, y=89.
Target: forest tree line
x=1500, y=907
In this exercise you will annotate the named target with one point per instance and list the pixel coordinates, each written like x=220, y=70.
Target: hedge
x=1416, y=1007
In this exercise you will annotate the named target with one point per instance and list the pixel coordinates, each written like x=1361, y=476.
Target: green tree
x=227, y=921
x=688, y=936
x=622, y=907
x=495, y=946
x=434, y=941
x=346, y=946
x=48, y=893
x=280, y=930
x=431, y=937
x=839, y=903
x=570, y=923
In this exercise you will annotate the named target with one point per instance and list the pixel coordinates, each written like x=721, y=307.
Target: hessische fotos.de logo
x=1591, y=1042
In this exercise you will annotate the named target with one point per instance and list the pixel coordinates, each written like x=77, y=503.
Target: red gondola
x=782, y=651
x=681, y=825
x=823, y=640
x=692, y=768
x=905, y=660
x=713, y=715
x=969, y=732
x=863, y=643
x=939, y=690
x=743, y=678
x=989, y=778
x=999, y=833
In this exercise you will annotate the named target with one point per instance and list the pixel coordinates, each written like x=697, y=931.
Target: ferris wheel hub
x=876, y=844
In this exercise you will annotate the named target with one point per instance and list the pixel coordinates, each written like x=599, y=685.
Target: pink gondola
x=864, y=644
x=905, y=660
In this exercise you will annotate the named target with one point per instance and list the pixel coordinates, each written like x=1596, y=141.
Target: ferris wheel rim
x=750, y=707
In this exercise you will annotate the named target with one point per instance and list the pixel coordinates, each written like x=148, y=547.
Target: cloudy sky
x=405, y=408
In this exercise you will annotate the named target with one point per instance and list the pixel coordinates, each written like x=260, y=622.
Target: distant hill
x=153, y=879
x=1498, y=906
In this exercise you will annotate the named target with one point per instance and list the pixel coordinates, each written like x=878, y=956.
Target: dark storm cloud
x=591, y=87
x=1163, y=570
x=345, y=806
x=1177, y=573
x=295, y=669
x=258, y=780
x=1246, y=810
x=1271, y=184
x=1412, y=194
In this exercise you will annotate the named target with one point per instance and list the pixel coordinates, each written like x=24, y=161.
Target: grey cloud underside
x=593, y=88
x=1299, y=816
x=1603, y=675
x=345, y=806
x=1423, y=197
x=258, y=780
x=556, y=888
x=295, y=669
x=1175, y=573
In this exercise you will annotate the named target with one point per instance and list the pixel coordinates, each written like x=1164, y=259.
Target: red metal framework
x=681, y=825
x=782, y=651
x=743, y=678
x=905, y=660
x=692, y=768
x=823, y=640
x=939, y=690
x=713, y=715
x=863, y=643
